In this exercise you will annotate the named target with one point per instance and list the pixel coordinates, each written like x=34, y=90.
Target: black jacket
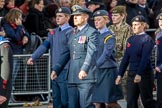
x=35, y=22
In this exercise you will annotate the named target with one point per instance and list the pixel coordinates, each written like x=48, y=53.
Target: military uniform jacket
x=159, y=48
x=137, y=54
x=6, y=69
x=121, y=35
x=105, y=51
x=57, y=42
x=81, y=48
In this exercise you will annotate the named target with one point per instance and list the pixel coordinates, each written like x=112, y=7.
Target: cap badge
x=98, y=13
x=137, y=19
x=60, y=10
x=74, y=9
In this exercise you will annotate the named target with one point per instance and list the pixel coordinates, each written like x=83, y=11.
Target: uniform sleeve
x=124, y=63
x=127, y=35
x=146, y=55
x=91, y=48
x=42, y=48
x=6, y=68
x=107, y=52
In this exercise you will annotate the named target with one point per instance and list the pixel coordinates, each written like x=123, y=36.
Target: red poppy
x=4, y=82
x=52, y=32
x=158, y=42
x=128, y=45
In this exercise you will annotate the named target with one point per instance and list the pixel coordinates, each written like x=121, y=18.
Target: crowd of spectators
x=39, y=15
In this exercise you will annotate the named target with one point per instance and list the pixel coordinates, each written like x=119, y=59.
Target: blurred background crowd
x=43, y=13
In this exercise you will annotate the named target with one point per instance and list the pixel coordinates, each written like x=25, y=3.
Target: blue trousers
x=59, y=94
x=80, y=95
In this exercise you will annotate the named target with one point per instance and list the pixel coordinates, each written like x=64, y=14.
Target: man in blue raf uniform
x=159, y=61
x=81, y=48
x=140, y=73
x=57, y=42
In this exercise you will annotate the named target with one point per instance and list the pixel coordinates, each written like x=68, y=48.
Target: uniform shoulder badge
x=106, y=38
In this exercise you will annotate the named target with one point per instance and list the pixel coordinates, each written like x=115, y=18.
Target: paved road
x=121, y=102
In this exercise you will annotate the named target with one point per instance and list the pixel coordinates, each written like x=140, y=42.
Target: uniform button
x=74, y=39
x=74, y=45
x=74, y=52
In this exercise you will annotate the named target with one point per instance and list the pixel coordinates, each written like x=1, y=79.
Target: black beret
x=100, y=13
x=139, y=18
x=65, y=10
x=76, y=9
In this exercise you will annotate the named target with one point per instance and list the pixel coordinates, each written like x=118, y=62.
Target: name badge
x=82, y=39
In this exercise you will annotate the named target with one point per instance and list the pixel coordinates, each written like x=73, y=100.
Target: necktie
x=59, y=29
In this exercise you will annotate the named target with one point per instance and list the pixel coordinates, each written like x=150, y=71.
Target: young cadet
x=140, y=73
x=159, y=61
x=5, y=73
x=81, y=48
x=57, y=42
x=105, y=89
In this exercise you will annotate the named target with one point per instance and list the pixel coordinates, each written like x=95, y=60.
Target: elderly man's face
x=80, y=19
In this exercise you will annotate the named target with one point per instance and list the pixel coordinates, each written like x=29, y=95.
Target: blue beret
x=65, y=10
x=100, y=13
x=76, y=9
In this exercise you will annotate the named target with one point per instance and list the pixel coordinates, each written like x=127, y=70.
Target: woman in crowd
x=17, y=35
x=35, y=21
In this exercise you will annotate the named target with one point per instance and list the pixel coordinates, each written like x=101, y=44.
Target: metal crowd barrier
x=32, y=81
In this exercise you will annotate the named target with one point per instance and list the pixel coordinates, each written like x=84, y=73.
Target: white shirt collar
x=64, y=26
x=80, y=28
x=103, y=30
